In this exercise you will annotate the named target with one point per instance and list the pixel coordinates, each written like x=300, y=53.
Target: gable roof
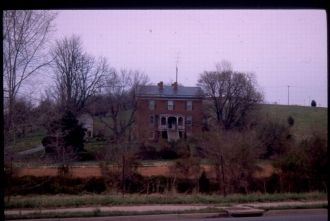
x=169, y=92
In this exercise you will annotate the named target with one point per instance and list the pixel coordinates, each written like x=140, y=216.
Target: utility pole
x=288, y=94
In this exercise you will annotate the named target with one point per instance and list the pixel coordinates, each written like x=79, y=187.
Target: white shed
x=87, y=122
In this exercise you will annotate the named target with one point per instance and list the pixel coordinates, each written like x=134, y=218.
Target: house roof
x=170, y=92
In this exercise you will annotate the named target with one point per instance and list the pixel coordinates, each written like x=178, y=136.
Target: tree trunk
x=123, y=174
x=223, y=177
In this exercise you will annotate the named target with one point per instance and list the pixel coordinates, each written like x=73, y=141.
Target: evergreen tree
x=313, y=103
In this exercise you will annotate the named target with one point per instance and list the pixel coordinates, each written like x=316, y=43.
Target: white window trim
x=168, y=105
x=191, y=106
x=151, y=107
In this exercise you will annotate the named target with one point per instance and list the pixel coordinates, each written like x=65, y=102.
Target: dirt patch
x=149, y=170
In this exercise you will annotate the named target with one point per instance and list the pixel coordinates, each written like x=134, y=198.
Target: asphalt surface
x=277, y=215
x=33, y=150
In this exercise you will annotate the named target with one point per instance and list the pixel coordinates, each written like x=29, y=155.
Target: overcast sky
x=281, y=47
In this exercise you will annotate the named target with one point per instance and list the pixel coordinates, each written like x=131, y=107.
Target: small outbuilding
x=87, y=123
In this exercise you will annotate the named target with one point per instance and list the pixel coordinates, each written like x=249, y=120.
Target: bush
x=155, y=184
x=274, y=137
x=95, y=185
x=86, y=156
x=56, y=185
x=290, y=121
x=65, y=133
x=168, y=154
x=204, y=183
x=134, y=183
x=148, y=152
x=304, y=166
x=313, y=103
x=185, y=185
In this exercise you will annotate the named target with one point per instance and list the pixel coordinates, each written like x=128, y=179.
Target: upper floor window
x=189, y=120
x=151, y=105
x=189, y=105
x=170, y=105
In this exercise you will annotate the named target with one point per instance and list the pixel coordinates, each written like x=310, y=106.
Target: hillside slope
x=306, y=119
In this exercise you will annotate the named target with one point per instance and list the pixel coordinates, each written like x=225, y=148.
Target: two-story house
x=169, y=112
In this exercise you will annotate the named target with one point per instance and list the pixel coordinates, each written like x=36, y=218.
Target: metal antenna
x=176, y=73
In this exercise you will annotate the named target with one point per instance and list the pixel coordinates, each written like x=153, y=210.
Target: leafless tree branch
x=78, y=75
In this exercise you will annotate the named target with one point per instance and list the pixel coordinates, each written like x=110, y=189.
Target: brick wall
x=143, y=113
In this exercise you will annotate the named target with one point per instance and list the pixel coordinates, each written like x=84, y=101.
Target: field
x=306, y=119
x=31, y=140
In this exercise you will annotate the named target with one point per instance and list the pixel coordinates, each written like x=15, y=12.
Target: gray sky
x=281, y=47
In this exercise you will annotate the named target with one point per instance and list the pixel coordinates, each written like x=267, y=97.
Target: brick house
x=169, y=112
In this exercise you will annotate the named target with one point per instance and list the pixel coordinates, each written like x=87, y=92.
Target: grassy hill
x=306, y=119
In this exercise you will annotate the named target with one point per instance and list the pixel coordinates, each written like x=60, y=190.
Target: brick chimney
x=175, y=86
x=160, y=85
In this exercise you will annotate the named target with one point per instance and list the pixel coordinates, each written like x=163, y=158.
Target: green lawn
x=31, y=140
x=306, y=119
x=51, y=201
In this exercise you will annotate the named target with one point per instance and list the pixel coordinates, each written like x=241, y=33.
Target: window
x=189, y=120
x=180, y=121
x=170, y=105
x=151, y=105
x=151, y=119
x=189, y=105
x=163, y=121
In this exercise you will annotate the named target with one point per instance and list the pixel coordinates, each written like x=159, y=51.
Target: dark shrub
x=65, y=133
x=313, y=103
x=185, y=185
x=290, y=121
x=95, y=185
x=49, y=143
x=168, y=154
x=86, y=156
x=134, y=183
x=155, y=184
x=55, y=185
x=73, y=132
x=148, y=152
x=204, y=183
x=274, y=138
x=273, y=184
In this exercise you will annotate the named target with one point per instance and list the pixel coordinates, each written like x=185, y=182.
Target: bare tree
x=25, y=34
x=119, y=105
x=78, y=75
x=215, y=152
x=233, y=94
x=120, y=101
x=233, y=155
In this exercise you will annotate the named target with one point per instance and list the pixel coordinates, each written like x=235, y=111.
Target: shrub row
x=134, y=183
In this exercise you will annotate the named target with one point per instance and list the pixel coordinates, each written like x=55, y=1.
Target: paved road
x=33, y=150
x=285, y=215
x=317, y=217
